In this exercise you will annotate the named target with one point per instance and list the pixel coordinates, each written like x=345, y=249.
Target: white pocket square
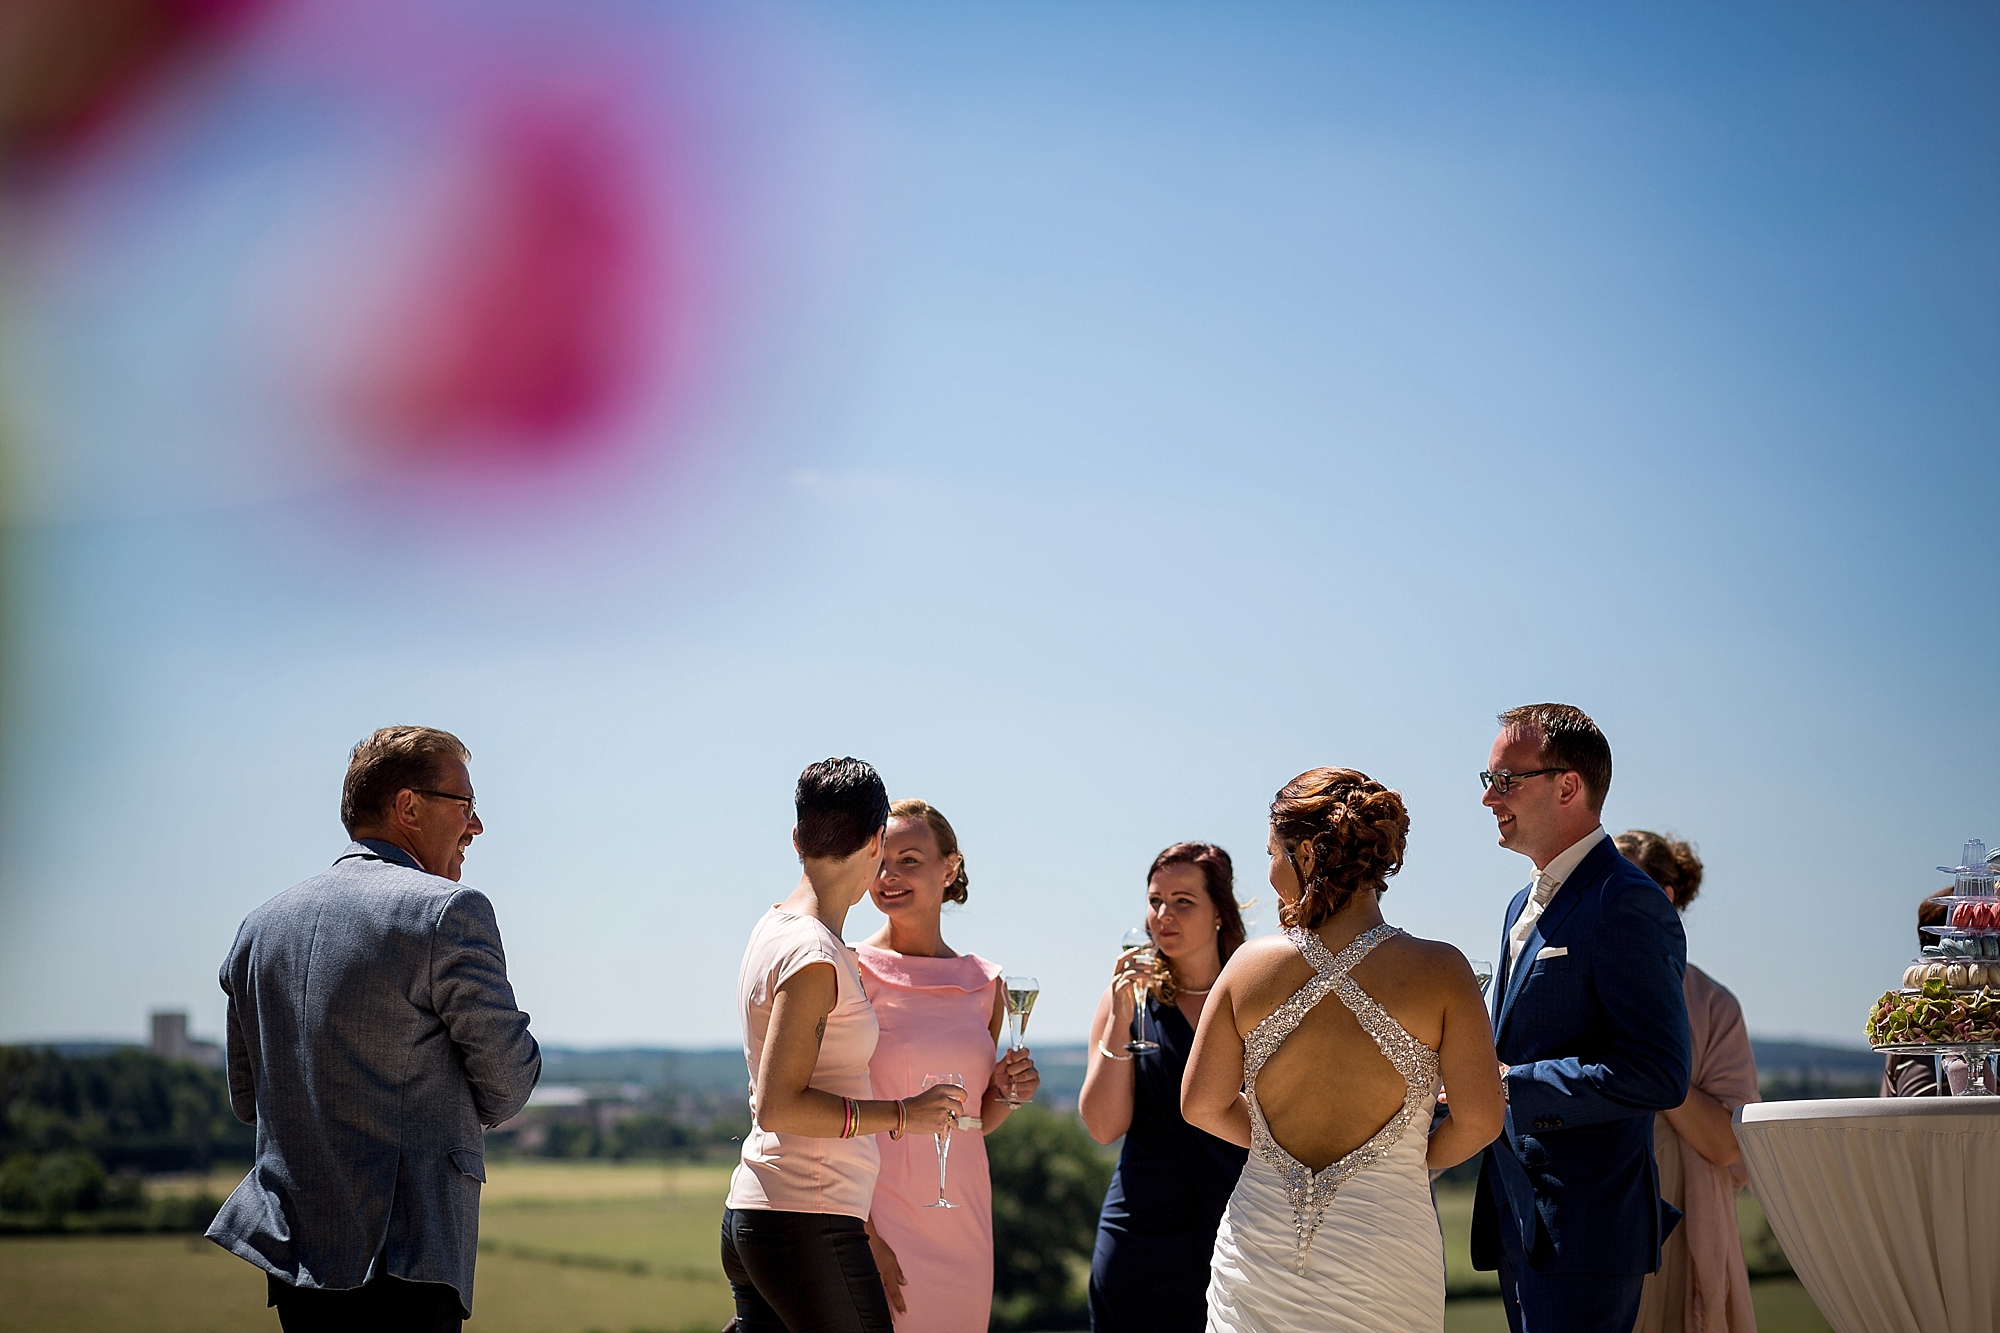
x=1553, y=951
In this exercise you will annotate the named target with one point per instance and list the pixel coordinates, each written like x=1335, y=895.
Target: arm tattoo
x=819, y=1031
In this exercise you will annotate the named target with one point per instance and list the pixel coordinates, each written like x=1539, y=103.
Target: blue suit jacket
x=1598, y=1041
x=372, y=1032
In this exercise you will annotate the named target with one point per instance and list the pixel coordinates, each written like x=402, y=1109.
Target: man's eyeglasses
x=470, y=806
x=1503, y=781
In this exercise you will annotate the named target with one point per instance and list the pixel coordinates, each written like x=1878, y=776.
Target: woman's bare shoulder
x=1263, y=963
x=1433, y=958
x=1262, y=954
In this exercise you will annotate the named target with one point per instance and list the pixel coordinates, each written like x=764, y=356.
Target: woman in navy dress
x=1156, y=1233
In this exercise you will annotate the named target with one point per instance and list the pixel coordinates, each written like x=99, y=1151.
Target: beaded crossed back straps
x=1417, y=1063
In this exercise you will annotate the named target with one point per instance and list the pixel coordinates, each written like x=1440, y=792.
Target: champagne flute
x=943, y=1135
x=1140, y=939
x=1482, y=973
x=1021, y=993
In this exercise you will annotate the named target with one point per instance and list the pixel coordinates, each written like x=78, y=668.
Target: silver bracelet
x=1109, y=1055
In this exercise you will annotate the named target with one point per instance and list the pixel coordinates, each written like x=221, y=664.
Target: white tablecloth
x=1888, y=1209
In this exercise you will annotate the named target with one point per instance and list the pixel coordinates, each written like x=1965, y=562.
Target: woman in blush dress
x=1149, y=1271
x=1322, y=1050
x=940, y=1012
x=1702, y=1282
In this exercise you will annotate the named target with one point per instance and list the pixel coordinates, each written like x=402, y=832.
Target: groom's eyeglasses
x=1503, y=781
x=471, y=807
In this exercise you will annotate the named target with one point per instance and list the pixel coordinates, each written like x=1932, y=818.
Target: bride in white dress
x=1332, y=1226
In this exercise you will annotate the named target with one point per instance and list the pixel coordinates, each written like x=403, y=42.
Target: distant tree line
x=127, y=1109
x=77, y=1133
x=1806, y=1085
x=639, y=1136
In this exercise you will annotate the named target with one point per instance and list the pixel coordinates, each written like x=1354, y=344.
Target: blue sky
x=1200, y=396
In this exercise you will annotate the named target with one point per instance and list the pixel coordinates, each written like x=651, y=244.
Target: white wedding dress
x=1355, y=1246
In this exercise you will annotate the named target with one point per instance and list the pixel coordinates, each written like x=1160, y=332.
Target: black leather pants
x=802, y=1273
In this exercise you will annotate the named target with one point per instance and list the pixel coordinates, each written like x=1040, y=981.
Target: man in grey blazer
x=372, y=1032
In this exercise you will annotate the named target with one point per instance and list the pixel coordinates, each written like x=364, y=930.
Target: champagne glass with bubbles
x=1021, y=993
x=943, y=1135
x=1140, y=939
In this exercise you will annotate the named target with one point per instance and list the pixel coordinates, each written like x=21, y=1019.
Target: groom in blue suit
x=1592, y=1034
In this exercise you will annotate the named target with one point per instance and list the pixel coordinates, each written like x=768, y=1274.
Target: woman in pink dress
x=1702, y=1285
x=940, y=1013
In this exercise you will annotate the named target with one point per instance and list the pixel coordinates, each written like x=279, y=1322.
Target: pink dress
x=1702, y=1285
x=936, y=1017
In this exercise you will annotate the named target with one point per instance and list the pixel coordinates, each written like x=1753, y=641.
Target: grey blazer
x=371, y=1033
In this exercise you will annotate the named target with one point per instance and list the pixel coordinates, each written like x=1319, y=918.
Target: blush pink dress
x=936, y=1017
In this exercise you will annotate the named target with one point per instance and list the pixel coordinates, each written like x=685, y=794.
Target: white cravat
x=1547, y=881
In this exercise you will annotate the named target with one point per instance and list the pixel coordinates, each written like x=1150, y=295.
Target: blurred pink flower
x=525, y=332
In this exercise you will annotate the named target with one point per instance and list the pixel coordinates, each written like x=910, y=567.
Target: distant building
x=558, y=1094
x=564, y=1109
x=170, y=1040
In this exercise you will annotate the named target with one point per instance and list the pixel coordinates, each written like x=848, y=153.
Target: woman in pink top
x=940, y=1013
x=1702, y=1283
x=795, y=1241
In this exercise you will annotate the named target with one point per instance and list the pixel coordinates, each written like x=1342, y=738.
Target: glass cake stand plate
x=1974, y=1053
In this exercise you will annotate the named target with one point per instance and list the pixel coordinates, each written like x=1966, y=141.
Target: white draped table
x=1889, y=1208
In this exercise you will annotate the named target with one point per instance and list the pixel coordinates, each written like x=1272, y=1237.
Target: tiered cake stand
x=1966, y=951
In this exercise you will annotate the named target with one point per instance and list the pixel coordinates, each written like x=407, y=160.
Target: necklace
x=1183, y=990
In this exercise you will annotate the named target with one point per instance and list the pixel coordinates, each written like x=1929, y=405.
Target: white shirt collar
x=1564, y=864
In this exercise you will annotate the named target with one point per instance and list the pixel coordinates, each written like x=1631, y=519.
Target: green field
x=582, y=1247
x=564, y=1248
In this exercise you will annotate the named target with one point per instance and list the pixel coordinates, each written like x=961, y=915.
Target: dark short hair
x=1218, y=876
x=1669, y=862
x=392, y=760
x=1570, y=741
x=841, y=805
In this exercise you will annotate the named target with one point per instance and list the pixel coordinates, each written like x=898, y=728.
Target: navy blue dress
x=1156, y=1233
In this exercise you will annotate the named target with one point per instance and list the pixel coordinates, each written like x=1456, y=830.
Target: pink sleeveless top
x=795, y=1173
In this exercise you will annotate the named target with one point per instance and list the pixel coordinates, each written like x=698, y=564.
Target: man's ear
x=403, y=810
x=795, y=843
x=1570, y=788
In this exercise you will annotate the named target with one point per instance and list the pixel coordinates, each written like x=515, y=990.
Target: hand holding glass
x=943, y=1135
x=1021, y=993
x=1139, y=942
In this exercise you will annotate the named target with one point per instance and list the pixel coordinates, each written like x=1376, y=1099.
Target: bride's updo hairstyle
x=947, y=842
x=1357, y=828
